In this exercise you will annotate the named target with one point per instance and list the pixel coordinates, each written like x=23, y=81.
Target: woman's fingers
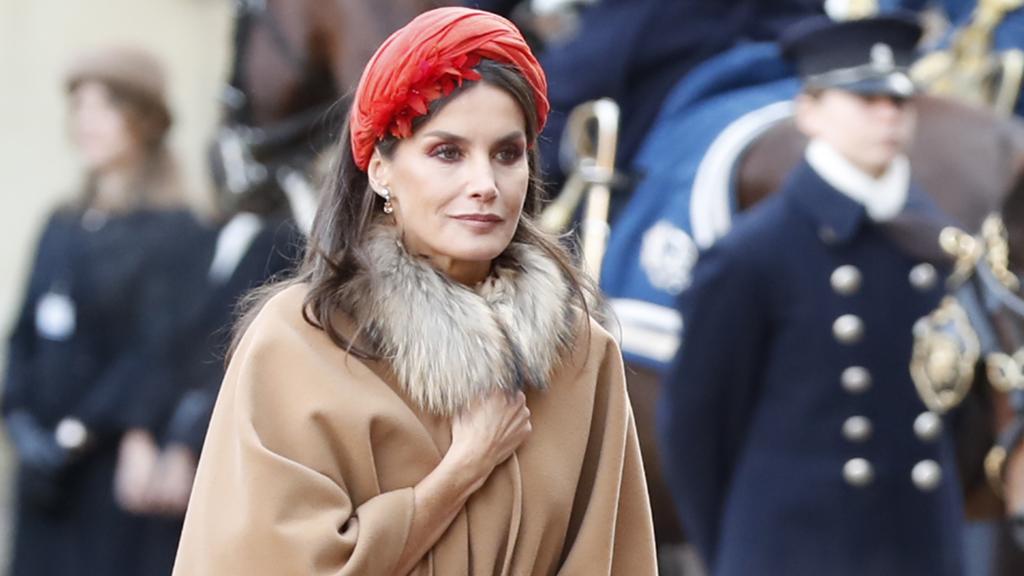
x=492, y=429
x=136, y=460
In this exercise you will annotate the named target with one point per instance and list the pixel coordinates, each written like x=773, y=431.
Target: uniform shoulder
x=767, y=218
x=749, y=254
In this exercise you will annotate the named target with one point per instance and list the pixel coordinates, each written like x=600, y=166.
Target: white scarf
x=882, y=197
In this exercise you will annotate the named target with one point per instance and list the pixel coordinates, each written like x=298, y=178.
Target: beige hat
x=126, y=67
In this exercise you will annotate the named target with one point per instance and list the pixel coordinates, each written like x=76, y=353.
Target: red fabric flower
x=427, y=59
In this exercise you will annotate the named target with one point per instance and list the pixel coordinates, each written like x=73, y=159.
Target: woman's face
x=458, y=184
x=100, y=130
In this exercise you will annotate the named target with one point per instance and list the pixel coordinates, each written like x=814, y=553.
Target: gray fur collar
x=448, y=344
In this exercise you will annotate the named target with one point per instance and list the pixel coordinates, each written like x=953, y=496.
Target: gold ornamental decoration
x=970, y=70
x=946, y=350
x=995, y=464
x=1005, y=373
x=997, y=251
x=966, y=251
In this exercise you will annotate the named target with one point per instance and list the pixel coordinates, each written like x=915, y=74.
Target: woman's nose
x=482, y=182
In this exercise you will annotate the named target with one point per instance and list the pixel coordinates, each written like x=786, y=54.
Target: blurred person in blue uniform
x=635, y=51
x=792, y=435
x=94, y=316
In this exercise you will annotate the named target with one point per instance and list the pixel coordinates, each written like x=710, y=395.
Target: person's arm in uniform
x=708, y=394
x=40, y=457
x=20, y=345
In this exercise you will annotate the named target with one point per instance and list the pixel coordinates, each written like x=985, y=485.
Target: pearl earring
x=388, y=206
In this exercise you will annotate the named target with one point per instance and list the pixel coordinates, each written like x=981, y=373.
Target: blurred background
x=37, y=40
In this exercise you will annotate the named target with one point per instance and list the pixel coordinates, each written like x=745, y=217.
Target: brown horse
x=297, y=44
x=295, y=63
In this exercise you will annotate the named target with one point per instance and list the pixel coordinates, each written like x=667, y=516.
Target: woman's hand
x=483, y=436
x=488, y=432
x=171, y=484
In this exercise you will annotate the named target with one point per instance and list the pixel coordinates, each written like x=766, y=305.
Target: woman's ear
x=378, y=171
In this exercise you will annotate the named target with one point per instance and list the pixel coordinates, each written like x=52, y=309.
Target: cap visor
x=897, y=84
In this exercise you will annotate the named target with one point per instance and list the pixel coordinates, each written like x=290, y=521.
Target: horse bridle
x=983, y=319
x=241, y=148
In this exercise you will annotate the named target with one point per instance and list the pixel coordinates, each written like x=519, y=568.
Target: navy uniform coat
x=191, y=366
x=92, y=365
x=195, y=360
x=754, y=424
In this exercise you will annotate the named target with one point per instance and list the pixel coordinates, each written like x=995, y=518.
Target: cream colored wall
x=37, y=168
x=37, y=37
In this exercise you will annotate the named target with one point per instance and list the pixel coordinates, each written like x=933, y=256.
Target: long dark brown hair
x=348, y=208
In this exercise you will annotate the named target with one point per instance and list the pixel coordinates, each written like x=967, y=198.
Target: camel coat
x=312, y=455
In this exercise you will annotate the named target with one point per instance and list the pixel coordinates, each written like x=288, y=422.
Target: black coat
x=179, y=395
x=755, y=424
x=196, y=360
x=92, y=322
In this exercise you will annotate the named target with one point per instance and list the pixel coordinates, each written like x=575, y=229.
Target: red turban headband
x=426, y=60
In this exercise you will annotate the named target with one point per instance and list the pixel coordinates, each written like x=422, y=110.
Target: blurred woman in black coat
x=93, y=318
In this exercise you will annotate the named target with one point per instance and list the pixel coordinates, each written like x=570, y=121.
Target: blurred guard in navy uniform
x=794, y=440
x=229, y=261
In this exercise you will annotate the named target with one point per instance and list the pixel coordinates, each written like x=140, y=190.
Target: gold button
x=857, y=429
x=926, y=475
x=858, y=472
x=927, y=426
x=848, y=329
x=856, y=379
x=846, y=280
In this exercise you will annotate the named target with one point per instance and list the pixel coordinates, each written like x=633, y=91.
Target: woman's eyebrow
x=444, y=135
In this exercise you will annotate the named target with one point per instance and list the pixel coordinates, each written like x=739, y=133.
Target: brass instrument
x=592, y=132
x=970, y=70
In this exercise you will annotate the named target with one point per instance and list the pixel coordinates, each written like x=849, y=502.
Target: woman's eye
x=446, y=152
x=509, y=155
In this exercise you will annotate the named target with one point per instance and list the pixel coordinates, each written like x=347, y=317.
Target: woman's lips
x=479, y=217
x=479, y=221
